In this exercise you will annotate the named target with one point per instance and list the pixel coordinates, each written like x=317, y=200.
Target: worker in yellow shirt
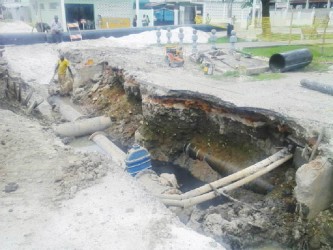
x=61, y=68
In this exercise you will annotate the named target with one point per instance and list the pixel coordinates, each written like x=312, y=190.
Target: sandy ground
x=62, y=200
x=115, y=212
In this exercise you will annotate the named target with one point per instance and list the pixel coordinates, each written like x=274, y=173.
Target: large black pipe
x=33, y=38
x=291, y=60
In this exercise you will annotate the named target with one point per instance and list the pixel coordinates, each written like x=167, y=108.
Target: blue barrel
x=137, y=159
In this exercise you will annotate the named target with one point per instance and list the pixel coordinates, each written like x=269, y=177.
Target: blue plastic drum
x=137, y=159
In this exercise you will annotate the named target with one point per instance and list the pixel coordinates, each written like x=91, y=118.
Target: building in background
x=88, y=13
x=16, y=9
x=104, y=14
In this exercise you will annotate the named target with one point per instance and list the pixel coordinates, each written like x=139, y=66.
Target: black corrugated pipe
x=291, y=60
x=224, y=168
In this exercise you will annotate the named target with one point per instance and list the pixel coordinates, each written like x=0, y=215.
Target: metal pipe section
x=82, y=127
x=217, y=192
x=291, y=60
x=230, y=178
x=224, y=168
x=117, y=155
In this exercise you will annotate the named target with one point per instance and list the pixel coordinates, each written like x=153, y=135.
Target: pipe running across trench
x=217, y=192
x=78, y=125
x=230, y=178
x=82, y=127
x=117, y=155
x=224, y=168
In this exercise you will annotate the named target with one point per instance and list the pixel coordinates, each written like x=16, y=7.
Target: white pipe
x=82, y=127
x=228, y=179
x=208, y=196
x=109, y=147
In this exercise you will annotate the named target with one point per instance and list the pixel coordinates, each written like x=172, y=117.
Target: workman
x=56, y=30
x=61, y=68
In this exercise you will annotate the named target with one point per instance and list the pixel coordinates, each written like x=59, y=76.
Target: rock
x=314, y=185
x=11, y=187
x=168, y=180
x=95, y=87
x=213, y=224
x=96, y=78
x=78, y=91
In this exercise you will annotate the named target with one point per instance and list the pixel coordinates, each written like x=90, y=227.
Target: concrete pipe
x=109, y=147
x=291, y=60
x=82, y=127
x=66, y=110
x=69, y=113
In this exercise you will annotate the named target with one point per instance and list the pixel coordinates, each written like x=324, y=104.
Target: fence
x=293, y=25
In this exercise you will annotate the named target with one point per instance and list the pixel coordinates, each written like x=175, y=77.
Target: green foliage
x=231, y=74
x=321, y=53
x=225, y=39
x=247, y=3
x=273, y=37
x=279, y=37
x=267, y=76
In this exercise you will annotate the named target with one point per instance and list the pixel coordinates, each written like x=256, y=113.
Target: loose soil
x=107, y=207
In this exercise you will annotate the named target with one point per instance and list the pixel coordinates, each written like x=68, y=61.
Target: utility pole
x=137, y=7
x=253, y=12
x=63, y=14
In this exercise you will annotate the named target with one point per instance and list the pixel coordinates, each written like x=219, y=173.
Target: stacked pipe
x=231, y=182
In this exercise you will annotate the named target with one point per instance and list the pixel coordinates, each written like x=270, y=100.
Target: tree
x=265, y=21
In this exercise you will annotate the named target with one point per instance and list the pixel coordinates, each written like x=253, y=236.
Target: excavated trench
x=201, y=139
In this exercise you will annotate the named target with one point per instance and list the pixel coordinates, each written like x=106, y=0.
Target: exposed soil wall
x=164, y=121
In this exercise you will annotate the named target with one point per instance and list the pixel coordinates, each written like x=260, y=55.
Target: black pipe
x=291, y=60
x=33, y=38
x=258, y=185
